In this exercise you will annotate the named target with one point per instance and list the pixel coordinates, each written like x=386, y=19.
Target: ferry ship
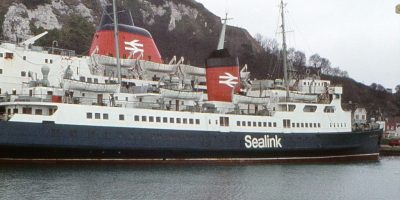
x=152, y=113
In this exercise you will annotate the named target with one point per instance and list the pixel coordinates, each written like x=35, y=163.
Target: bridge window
x=97, y=115
x=151, y=119
x=243, y=123
x=185, y=121
x=287, y=108
x=51, y=111
x=329, y=109
x=238, y=123
x=286, y=123
x=224, y=121
x=191, y=121
x=9, y=56
x=197, y=121
x=158, y=119
x=171, y=120
x=178, y=120
x=310, y=108
x=89, y=115
x=27, y=110
x=144, y=118
x=122, y=117
x=38, y=112
x=136, y=118
x=105, y=116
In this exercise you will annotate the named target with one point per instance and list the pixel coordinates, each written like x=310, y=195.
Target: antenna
x=116, y=41
x=285, y=67
x=221, y=42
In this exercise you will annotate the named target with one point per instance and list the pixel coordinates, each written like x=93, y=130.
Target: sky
x=361, y=37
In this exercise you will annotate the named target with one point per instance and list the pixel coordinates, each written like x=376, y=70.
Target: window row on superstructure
x=31, y=111
x=144, y=118
x=9, y=55
x=288, y=124
x=314, y=83
x=171, y=120
x=306, y=108
x=255, y=124
x=337, y=125
x=88, y=80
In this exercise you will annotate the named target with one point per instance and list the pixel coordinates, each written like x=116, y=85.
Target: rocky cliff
x=183, y=28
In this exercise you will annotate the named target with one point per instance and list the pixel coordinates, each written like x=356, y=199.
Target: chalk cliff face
x=179, y=27
x=19, y=18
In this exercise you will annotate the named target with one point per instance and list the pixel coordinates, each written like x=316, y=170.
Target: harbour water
x=376, y=180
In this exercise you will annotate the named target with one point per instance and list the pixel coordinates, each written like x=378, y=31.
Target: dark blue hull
x=47, y=141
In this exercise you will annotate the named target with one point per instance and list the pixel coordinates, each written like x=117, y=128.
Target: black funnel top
x=221, y=58
x=125, y=22
x=223, y=53
x=123, y=15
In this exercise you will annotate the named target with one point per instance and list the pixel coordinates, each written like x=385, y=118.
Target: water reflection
x=341, y=181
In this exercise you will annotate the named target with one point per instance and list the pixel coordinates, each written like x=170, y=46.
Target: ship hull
x=53, y=143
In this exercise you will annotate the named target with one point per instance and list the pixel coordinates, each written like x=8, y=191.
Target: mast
x=116, y=41
x=221, y=41
x=285, y=67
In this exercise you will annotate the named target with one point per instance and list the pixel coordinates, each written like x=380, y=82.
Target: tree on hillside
x=320, y=62
x=377, y=87
x=297, y=58
x=397, y=98
x=397, y=89
x=271, y=46
x=75, y=35
x=261, y=41
x=315, y=60
x=325, y=65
